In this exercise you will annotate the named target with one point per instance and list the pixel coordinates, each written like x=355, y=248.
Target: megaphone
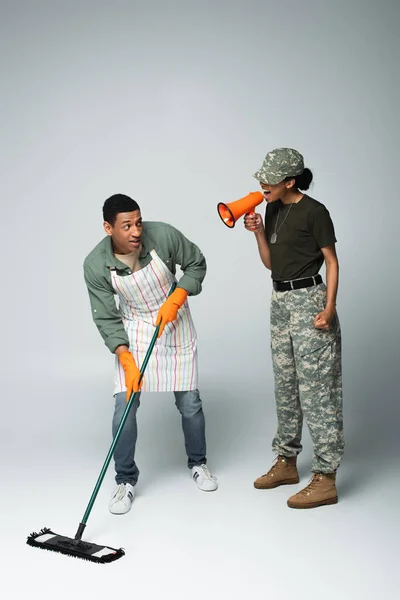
x=231, y=212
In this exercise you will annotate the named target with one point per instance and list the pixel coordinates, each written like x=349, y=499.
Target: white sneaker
x=205, y=481
x=122, y=498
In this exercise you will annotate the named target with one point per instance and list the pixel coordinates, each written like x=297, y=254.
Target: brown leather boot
x=282, y=472
x=321, y=490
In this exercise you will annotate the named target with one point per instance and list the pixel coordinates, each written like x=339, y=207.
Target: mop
x=46, y=539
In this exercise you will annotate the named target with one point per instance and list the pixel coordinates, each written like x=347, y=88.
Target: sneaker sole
x=205, y=489
x=313, y=504
x=119, y=513
x=260, y=486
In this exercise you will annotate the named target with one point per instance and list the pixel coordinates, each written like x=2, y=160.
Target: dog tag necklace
x=274, y=236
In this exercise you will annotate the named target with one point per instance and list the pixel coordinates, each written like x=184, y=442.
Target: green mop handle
x=103, y=471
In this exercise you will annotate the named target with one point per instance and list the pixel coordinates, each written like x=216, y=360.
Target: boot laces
x=275, y=466
x=312, y=485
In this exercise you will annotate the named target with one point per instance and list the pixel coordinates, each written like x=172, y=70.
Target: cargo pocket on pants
x=318, y=359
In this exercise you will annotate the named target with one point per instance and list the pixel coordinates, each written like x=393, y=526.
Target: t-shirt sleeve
x=322, y=227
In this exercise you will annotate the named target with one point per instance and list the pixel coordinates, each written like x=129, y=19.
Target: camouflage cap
x=279, y=164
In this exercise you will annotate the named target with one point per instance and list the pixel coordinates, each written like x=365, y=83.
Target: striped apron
x=173, y=362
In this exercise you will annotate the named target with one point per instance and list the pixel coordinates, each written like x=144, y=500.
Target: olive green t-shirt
x=306, y=229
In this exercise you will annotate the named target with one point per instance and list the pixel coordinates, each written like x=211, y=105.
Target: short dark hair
x=302, y=181
x=118, y=203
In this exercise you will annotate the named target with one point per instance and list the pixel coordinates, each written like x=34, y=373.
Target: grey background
x=176, y=104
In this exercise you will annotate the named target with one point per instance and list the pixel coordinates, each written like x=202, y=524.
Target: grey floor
x=182, y=543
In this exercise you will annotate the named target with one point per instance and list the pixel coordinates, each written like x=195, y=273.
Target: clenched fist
x=254, y=222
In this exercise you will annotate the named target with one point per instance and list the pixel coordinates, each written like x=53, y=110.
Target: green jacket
x=173, y=249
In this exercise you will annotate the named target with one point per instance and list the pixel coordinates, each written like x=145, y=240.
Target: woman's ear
x=289, y=184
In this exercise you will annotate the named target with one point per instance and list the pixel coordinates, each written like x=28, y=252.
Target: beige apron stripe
x=151, y=286
x=191, y=337
x=170, y=327
x=188, y=365
x=165, y=280
x=155, y=266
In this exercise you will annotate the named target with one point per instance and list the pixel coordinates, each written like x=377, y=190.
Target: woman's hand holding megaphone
x=254, y=222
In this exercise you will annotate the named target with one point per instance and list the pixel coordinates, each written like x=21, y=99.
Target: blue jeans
x=189, y=405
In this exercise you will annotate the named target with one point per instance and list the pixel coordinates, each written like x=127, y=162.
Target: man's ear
x=107, y=228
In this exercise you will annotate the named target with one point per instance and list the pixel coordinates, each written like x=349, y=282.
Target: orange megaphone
x=231, y=212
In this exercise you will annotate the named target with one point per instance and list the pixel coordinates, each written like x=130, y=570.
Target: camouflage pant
x=308, y=378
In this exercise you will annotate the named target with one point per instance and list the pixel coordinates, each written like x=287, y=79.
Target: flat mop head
x=48, y=540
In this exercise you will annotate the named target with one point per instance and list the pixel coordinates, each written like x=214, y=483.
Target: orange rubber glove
x=169, y=310
x=132, y=373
